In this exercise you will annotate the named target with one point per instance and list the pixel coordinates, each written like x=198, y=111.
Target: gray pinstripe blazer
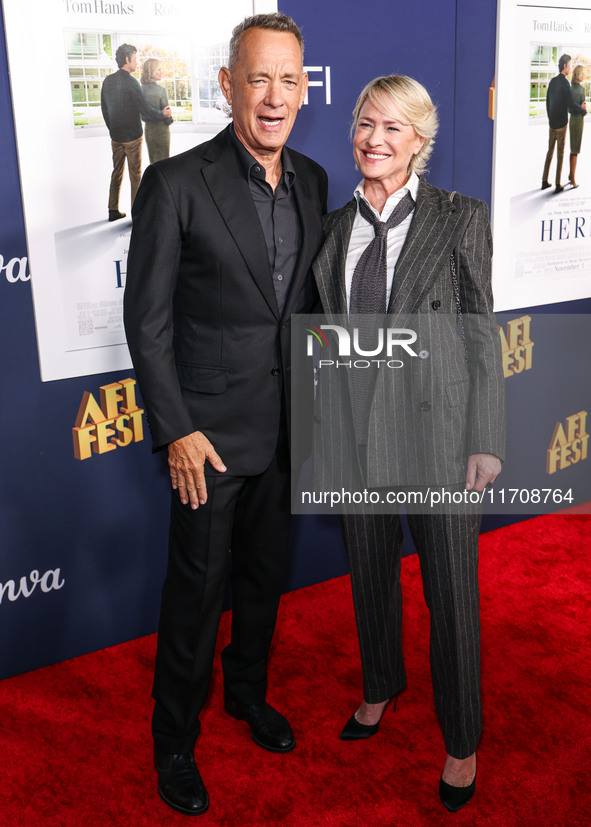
x=427, y=418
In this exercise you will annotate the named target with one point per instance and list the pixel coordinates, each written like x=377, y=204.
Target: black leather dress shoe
x=354, y=731
x=269, y=729
x=115, y=215
x=454, y=798
x=179, y=783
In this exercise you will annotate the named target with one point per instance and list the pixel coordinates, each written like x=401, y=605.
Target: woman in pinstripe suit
x=435, y=259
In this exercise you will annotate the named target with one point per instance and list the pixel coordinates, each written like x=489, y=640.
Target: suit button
x=436, y=304
x=425, y=406
x=275, y=372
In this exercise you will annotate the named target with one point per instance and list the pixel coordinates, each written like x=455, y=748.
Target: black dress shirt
x=278, y=215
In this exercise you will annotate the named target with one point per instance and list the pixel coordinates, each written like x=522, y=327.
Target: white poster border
x=537, y=258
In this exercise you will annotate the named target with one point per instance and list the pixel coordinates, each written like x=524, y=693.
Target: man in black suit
x=223, y=238
x=559, y=102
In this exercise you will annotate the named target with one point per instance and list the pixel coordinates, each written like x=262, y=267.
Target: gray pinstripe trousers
x=447, y=545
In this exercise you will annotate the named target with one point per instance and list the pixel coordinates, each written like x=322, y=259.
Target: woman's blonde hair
x=149, y=70
x=414, y=103
x=578, y=73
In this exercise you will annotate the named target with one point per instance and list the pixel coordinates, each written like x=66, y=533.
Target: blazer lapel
x=231, y=194
x=329, y=267
x=429, y=241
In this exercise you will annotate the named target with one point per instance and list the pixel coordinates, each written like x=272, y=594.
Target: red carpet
x=75, y=738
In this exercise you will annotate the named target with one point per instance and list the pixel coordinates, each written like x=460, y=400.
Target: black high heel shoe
x=454, y=798
x=354, y=731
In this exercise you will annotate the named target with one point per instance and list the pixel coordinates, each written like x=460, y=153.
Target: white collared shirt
x=363, y=232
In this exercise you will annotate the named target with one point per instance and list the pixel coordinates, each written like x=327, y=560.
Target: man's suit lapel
x=231, y=194
x=329, y=267
x=430, y=241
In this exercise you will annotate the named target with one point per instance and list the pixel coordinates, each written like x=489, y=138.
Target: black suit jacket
x=209, y=346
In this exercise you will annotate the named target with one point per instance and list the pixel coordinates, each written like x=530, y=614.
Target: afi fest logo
x=115, y=423
x=569, y=443
x=392, y=337
x=517, y=346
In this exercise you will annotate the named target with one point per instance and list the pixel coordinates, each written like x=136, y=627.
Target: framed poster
x=60, y=52
x=542, y=232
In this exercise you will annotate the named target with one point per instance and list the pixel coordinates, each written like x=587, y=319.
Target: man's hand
x=584, y=106
x=167, y=112
x=186, y=458
x=482, y=469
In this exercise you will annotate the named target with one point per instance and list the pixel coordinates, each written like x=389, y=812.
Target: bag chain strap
x=456, y=287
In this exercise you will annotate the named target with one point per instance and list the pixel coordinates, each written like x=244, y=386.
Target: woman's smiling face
x=384, y=144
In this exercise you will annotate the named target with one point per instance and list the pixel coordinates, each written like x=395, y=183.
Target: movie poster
x=542, y=228
x=60, y=52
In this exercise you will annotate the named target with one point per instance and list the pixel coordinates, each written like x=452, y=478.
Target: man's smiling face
x=265, y=89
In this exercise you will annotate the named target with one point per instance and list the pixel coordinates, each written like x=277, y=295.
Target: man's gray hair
x=275, y=22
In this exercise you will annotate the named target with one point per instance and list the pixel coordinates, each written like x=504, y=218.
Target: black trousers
x=250, y=516
x=447, y=546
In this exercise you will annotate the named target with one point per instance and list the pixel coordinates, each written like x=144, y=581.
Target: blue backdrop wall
x=84, y=542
